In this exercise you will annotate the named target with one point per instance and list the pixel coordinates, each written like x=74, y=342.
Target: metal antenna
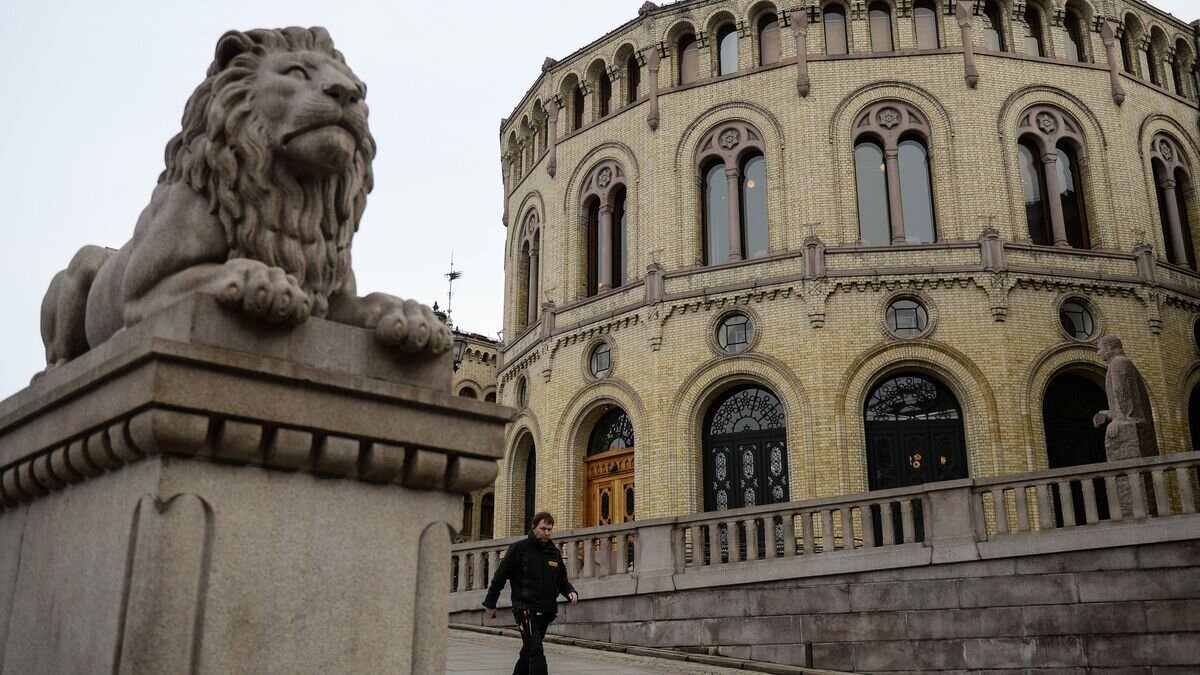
x=451, y=275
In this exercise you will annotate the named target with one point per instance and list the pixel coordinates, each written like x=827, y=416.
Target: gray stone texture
x=1128, y=423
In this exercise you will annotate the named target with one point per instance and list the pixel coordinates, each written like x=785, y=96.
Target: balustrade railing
x=1129, y=502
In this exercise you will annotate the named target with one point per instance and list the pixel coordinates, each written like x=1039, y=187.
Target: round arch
x=696, y=395
x=573, y=242
x=523, y=435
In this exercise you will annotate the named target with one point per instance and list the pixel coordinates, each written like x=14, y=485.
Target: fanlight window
x=1049, y=148
x=733, y=200
x=834, y=17
x=891, y=163
x=1173, y=182
x=750, y=409
x=604, y=201
x=911, y=397
x=614, y=431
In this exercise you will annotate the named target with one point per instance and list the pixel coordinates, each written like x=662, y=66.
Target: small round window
x=521, y=391
x=600, y=362
x=734, y=333
x=907, y=318
x=1077, y=320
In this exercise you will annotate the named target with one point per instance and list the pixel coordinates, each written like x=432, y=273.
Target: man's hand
x=573, y=597
x=490, y=611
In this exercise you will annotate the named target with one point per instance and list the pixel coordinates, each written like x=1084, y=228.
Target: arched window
x=633, y=73
x=768, y=38
x=1127, y=55
x=993, y=30
x=1071, y=193
x=891, y=166
x=914, y=433
x=577, y=105
x=733, y=202
x=468, y=515
x=487, y=516
x=1033, y=34
x=689, y=59
x=467, y=392
x=609, y=466
x=727, y=49
x=881, y=26
x=530, y=280
x=1150, y=55
x=925, y=16
x=607, y=226
x=1177, y=77
x=834, y=19
x=606, y=94
x=1033, y=187
x=1068, y=406
x=1073, y=25
x=490, y=397
x=1172, y=182
x=754, y=206
x=530, y=486
x=1194, y=417
x=1051, y=144
x=745, y=450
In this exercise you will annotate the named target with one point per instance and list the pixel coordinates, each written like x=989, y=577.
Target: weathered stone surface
x=754, y=630
x=1138, y=585
x=964, y=623
x=717, y=603
x=587, y=631
x=1036, y=590
x=833, y=655
x=1161, y=649
x=833, y=598
x=1172, y=615
x=664, y=633
x=1129, y=421
x=12, y=529
x=1049, y=652
x=853, y=627
x=788, y=654
x=1078, y=561
x=1083, y=619
x=884, y=655
x=904, y=595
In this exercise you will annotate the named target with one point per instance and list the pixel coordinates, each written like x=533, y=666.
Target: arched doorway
x=609, y=497
x=745, y=450
x=1068, y=406
x=914, y=433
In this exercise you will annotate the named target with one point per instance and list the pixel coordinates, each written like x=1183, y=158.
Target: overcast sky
x=92, y=91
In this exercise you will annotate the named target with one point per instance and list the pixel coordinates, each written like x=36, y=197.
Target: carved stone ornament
x=730, y=139
x=1165, y=151
x=1128, y=423
x=888, y=117
x=604, y=178
x=1046, y=122
x=282, y=277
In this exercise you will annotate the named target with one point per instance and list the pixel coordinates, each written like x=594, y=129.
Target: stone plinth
x=201, y=494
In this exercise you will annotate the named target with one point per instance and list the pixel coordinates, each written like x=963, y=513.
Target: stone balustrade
x=1129, y=502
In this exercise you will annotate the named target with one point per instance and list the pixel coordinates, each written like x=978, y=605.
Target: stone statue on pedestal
x=1129, y=420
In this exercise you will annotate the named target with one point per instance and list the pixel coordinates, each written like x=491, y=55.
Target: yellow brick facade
x=821, y=344
x=475, y=377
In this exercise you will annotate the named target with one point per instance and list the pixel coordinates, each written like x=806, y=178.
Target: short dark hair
x=539, y=517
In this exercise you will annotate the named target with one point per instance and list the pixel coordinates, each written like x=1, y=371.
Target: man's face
x=543, y=530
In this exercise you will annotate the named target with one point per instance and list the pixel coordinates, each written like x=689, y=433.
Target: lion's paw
x=263, y=292
x=412, y=327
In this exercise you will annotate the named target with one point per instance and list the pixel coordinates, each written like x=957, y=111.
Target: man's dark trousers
x=533, y=625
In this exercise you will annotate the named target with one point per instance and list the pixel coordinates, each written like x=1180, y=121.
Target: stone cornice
x=165, y=388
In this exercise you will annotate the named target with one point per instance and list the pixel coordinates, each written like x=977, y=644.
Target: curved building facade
x=759, y=254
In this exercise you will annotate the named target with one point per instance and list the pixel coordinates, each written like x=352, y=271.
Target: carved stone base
x=171, y=505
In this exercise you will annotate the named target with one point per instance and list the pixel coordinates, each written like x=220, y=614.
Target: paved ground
x=477, y=654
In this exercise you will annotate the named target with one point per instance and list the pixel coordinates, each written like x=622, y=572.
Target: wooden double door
x=610, y=488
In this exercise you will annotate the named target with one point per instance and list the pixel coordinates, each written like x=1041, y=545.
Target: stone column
x=604, y=247
x=963, y=13
x=552, y=111
x=1174, y=226
x=1057, y=222
x=800, y=32
x=735, y=212
x=895, y=206
x=653, y=63
x=506, y=173
x=534, y=280
x=203, y=493
x=1108, y=33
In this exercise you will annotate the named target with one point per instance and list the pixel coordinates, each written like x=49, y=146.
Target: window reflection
x=593, y=239
x=634, y=73
x=835, y=29
x=689, y=59
x=925, y=16
x=915, y=197
x=993, y=31
x=881, y=27
x=727, y=56
x=1071, y=193
x=619, y=231
x=1033, y=36
x=605, y=94
x=874, y=224
x=768, y=39
x=716, y=215
x=1033, y=186
x=1074, y=41
x=754, y=207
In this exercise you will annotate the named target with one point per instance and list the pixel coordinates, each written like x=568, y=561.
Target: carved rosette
x=1167, y=158
x=889, y=120
x=602, y=181
x=728, y=142
x=1047, y=126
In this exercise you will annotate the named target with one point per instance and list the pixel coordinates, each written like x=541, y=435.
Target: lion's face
x=312, y=108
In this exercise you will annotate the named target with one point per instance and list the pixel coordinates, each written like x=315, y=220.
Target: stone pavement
x=471, y=653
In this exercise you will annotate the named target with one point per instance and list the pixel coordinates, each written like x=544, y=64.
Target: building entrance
x=609, y=467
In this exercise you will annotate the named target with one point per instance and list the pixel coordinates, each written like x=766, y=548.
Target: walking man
x=537, y=575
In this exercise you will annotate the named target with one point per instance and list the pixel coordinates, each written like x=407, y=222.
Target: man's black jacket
x=537, y=575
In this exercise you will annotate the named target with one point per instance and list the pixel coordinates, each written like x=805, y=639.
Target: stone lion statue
x=262, y=193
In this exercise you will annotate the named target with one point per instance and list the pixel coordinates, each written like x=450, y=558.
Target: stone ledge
x=167, y=386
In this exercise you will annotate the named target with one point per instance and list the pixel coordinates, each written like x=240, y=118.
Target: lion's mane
x=303, y=225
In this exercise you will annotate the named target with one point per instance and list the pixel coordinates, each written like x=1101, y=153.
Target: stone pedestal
x=201, y=494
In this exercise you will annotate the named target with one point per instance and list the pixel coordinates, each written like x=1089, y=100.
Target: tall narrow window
x=1071, y=193
x=1033, y=34
x=689, y=59
x=593, y=236
x=716, y=214
x=916, y=198
x=530, y=486
x=1188, y=253
x=1189, y=248
x=768, y=38
x=634, y=79
x=835, y=29
x=925, y=16
x=577, y=104
x=487, y=511
x=1150, y=56
x=605, y=94
x=727, y=50
x=1126, y=51
x=1177, y=77
x=1074, y=38
x=881, y=27
x=1033, y=186
x=993, y=31
x=871, y=180
x=619, y=239
x=754, y=206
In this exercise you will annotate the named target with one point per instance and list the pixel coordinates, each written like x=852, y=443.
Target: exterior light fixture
x=460, y=346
